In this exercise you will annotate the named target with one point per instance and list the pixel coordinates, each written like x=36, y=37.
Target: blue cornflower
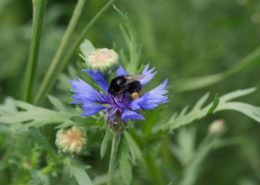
x=117, y=108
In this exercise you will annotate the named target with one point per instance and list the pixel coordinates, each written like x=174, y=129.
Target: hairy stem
x=30, y=75
x=58, y=65
x=112, y=161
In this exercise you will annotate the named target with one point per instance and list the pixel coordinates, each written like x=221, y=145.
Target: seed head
x=70, y=141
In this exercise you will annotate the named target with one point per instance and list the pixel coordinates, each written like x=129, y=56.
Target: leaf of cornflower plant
x=125, y=166
x=131, y=40
x=86, y=47
x=135, y=150
x=80, y=174
x=186, y=144
x=58, y=105
x=199, y=111
x=105, y=143
x=26, y=115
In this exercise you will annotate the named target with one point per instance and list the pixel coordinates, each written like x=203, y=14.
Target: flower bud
x=70, y=141
x=217, y=127
x=102, y=59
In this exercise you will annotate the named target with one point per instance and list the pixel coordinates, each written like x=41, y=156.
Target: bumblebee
x=128, y=84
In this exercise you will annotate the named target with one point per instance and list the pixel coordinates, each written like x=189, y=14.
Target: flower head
x=71, y=140
x=102, y=58
x=122, y=107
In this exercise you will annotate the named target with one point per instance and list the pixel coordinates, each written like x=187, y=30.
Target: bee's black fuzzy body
x=123, y=84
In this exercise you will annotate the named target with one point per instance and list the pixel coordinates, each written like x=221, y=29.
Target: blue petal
x=131, y=115
x=147, y=75
x=121, y=71
x=98, y=77
x=90, y=109
x=151, y=99
x=83, y=92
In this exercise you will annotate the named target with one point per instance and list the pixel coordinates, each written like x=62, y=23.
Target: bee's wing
x=123, y=89
x=129, y=80
x=133, y=78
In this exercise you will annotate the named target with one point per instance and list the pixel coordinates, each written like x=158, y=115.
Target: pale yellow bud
x=102, y=59
x=70, y=141
x=217, y=127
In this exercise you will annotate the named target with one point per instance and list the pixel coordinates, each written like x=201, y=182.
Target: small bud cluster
x=70, y=141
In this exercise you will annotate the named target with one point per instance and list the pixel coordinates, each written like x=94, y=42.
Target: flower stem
x=112, y=161
x=57, y=60
x=56, y=68
x=38, y=14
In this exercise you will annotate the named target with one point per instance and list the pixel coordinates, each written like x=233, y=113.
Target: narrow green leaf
x=186, y=145
x=135, y=150
x=55, y=67
x=86, y=47
x=105, y=143
x=125, y=166
x=207, y=80
x=247, y=109
x=237, y=94
x=131, y=40
x=199, y=82
x=66, y=124
x=80, y=175
x=30, y=74
x=58, y=105
x=64, y=54
x=201, y=101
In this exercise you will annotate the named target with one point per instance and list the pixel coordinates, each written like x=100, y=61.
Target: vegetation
x=208, y=131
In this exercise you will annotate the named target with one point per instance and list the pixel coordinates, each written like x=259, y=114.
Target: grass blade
x=30, y=75
x=56, y=62
x=203, y=81
x=60, y=62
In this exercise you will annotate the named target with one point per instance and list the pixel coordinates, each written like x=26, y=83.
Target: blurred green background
x=183, y=39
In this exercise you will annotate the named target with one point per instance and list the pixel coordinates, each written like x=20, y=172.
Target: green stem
x=153, y=170
x=112, y=161
x=38, y=14
x=44, y=88
x=57, y=66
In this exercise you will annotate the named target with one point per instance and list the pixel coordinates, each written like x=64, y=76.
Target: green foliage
x=105, y=143
x=216, y=42
x=20, y=116
x=199, y=110
x=203, y=81
x=132, y=43
x=80, y=174
x=125, y=166
x=58, y=105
